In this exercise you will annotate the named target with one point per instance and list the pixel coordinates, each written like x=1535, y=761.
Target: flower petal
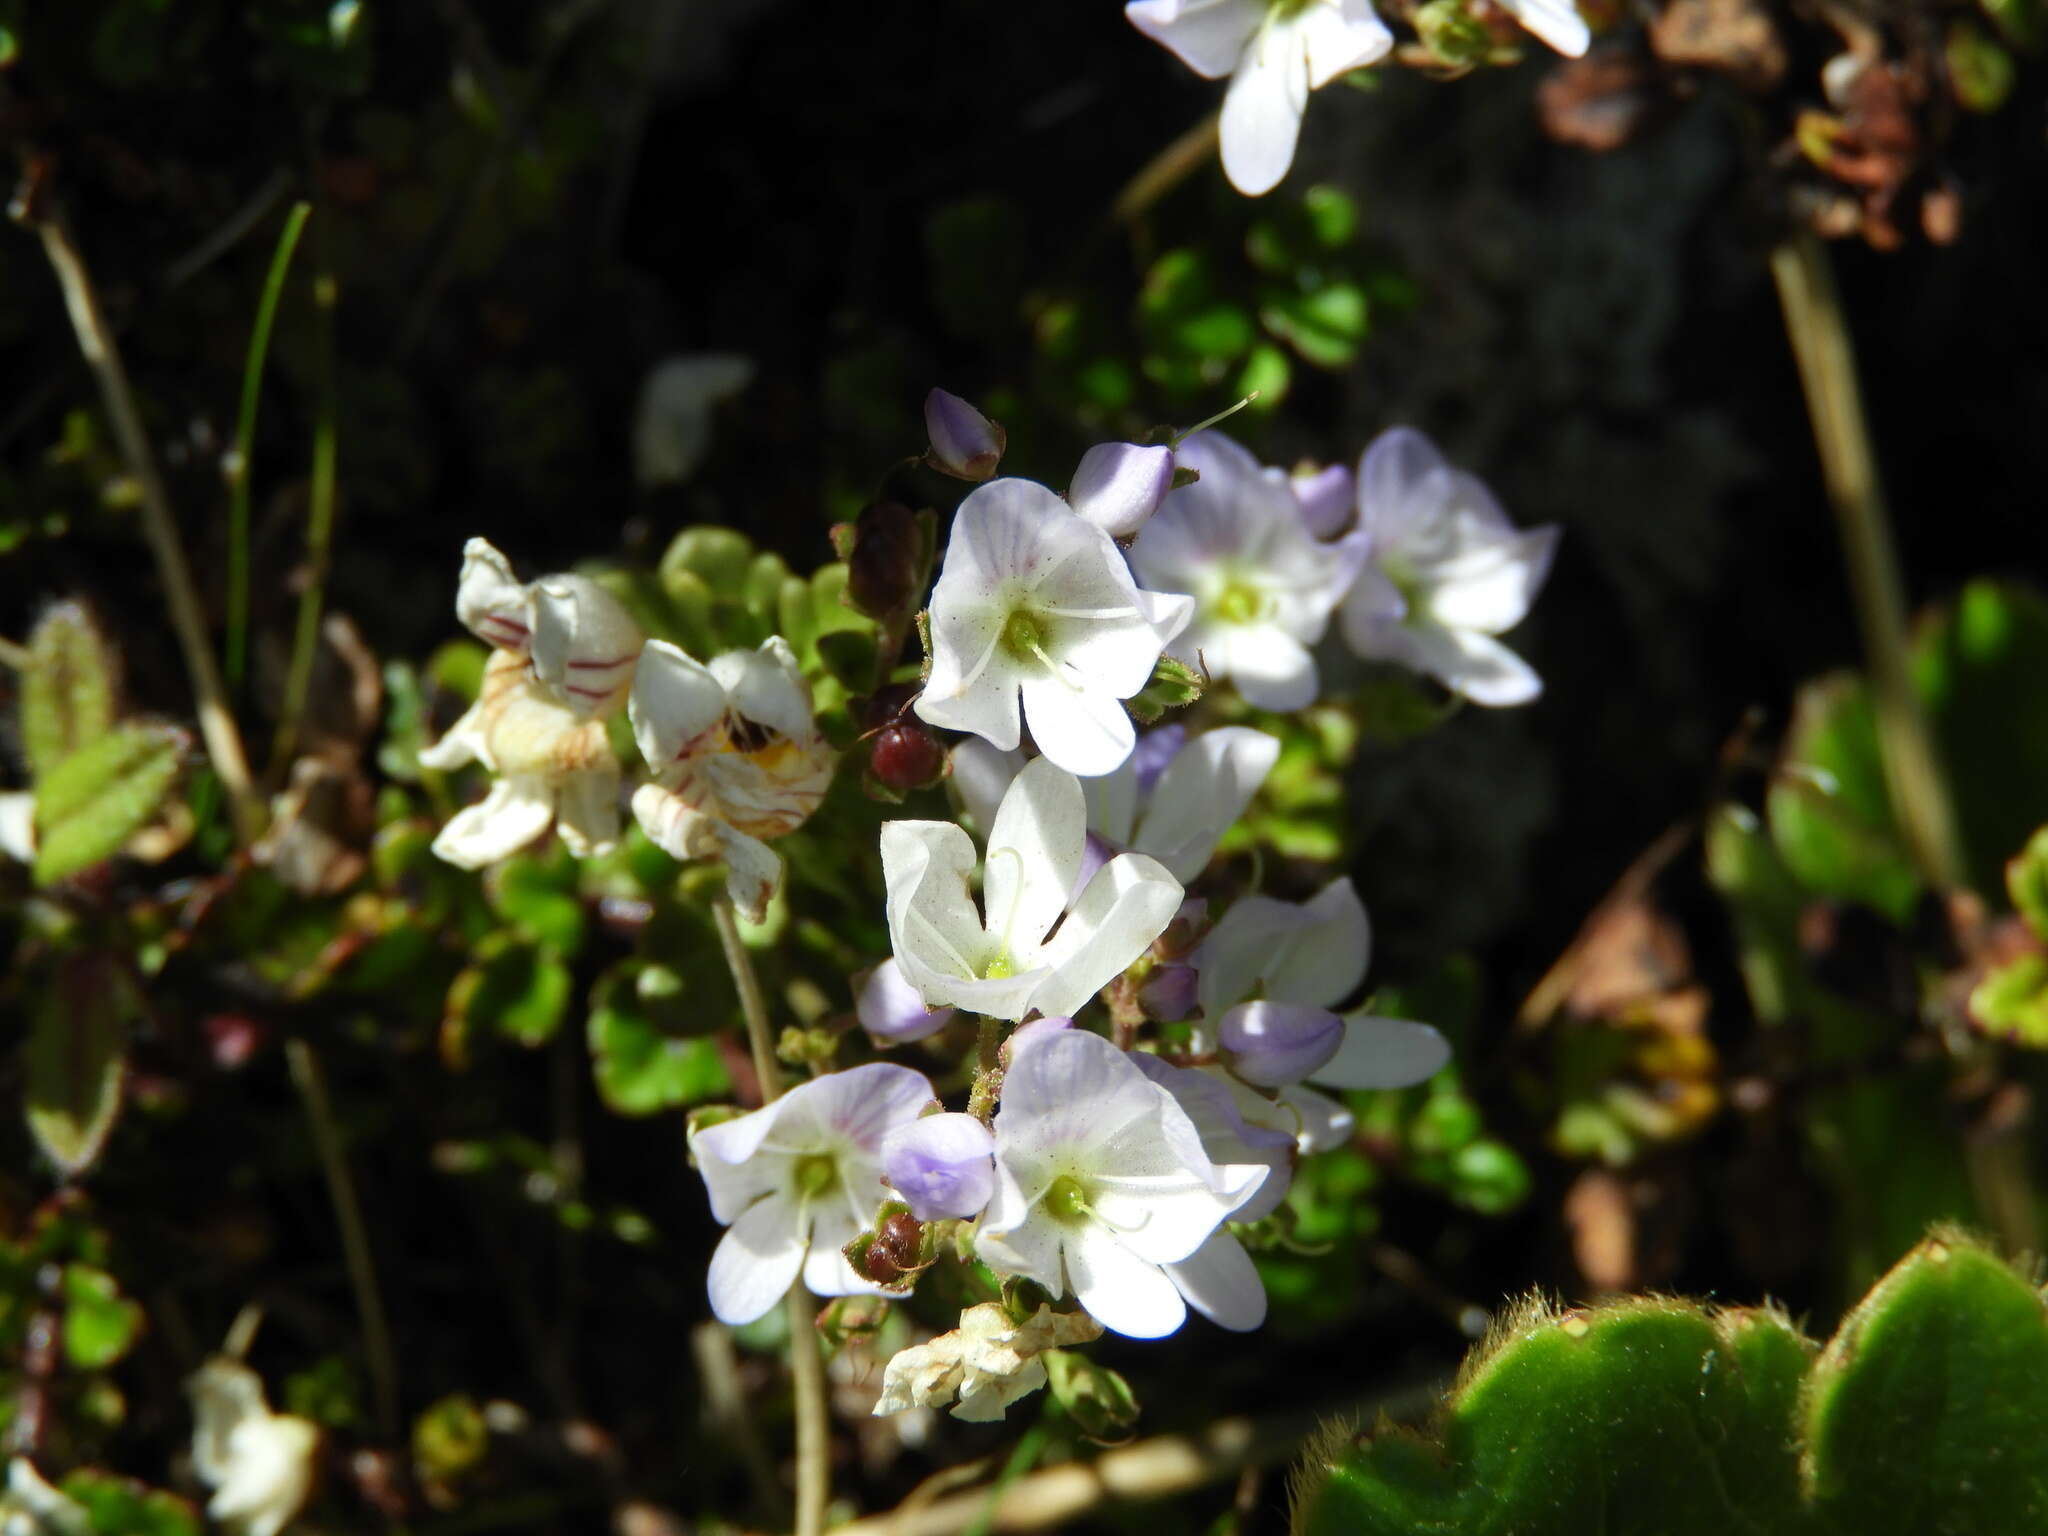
x=675, y=700
x=518, y=810
x=1262, y=110
x=1200, y=796
x=1034, y=852
x=1206, y=35
x=1272, y=669
x=981, y=774
x=890, y=1009
x=1557, y=22
x=1396, y=473
x=1117, y=486
x=584, y=642
x=933, y=927
x=756, y=1263
x=767, y=686
x=1328, y=499
x=1490, y=588
x=490, y=601
x=1220, y=1281
x=1384, y=1053
x=1340, y=38
x=1272, y=1044
x=1320, y=967
x=1478, y=666
x=1122, y=1291
x=942, y=1165
x=1325, y=1123
x=1084, y=730
x=587, y=812
x=1125, y=907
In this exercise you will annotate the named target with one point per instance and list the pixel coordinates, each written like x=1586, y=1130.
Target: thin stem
x=239, y=476
x=216, y=721
x=1167, y=169
x=752, y=1004
x=1820, y=340
x=813, y=1421
x=988, y=1070
x=320, y=511
x=806, y=1364
x=311, y=1082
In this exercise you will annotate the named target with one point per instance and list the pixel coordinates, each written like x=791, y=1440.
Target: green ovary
x=1002, y=968
x=1024, y=636
x=815, y=1172
x=1240, y=603
x=1067, y=1200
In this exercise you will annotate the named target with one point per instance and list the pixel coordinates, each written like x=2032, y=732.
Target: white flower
x=988, y=1362
x=1270, y=971
x=1035, y=602
x=672, y=424
x=1219, y=1279
x=1448, y=572
x=1014, y=960
x=31, y=1507
x=579, y=638
x=18, y=828
x=797, y=1180
x=554, y=767
x=1263, y=588
x=736, y=757
x=1276, y=52
x=258, y=1463
x=1557, y=22
x=1101, y=1180
x=1172, y=800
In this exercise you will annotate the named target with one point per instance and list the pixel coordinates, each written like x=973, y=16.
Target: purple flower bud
x=1274, y=1044
x=1154, y=750
x=1327, y=499
x=1168, y=995
x=1031, y=1034
x=1119, y=485
x=965, y=443
x=942, y=1165
x=890, y=1009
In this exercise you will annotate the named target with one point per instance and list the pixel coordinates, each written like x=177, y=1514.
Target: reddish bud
x=905, y=756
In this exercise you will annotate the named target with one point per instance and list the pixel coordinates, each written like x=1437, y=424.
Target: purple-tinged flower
x=1263, y=589
x=1448, y=572
x=796, y=1181
x=1327, y=497
x=942, y=1165
x=1168, y=995
x=1119, y=485
x=964, y=443
x=890, y=1010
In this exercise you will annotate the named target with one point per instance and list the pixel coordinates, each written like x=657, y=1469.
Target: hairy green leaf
x=102, y=795
x=68, y=688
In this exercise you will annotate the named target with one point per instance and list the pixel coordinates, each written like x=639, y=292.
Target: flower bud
x=964, y=443
x=886, y=560
x=1274, y=1044
x=1117, y=486
x=1168, y=995
x=906, y=756
x=893, y=1251
x=943, y=1165
x=890, y=1009
x=1327, y=498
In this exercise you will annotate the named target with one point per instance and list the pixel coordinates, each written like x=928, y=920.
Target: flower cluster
x=1157, y=1047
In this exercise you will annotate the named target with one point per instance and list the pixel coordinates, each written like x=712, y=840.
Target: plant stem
x=1167, y=170
x=1820, y=339
x=806, y=1364
x=245, y=445
x=988, y=1073
x=355, y=1241
x=752, y=1004
x=216, y=721
x=320, y=511
x=813, y=1422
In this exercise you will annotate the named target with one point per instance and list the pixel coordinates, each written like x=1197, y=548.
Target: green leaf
x=1657, y=1417
x=100, y=1324
x=538, y=897
x=1828, y=808
x=74, y=1059
x=120, y=1506
x=2026, y=882
x=520, y=990
x=1925, y=1412
x=450, y=1438
x=92, y=802
x=68, y=688
x=717, y=557
x=2012, y=1002
x=640, y=1068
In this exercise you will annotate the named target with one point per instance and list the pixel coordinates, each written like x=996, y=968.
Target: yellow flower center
x=1240, y=603
x=815, y=1172
x=1067, y=1200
